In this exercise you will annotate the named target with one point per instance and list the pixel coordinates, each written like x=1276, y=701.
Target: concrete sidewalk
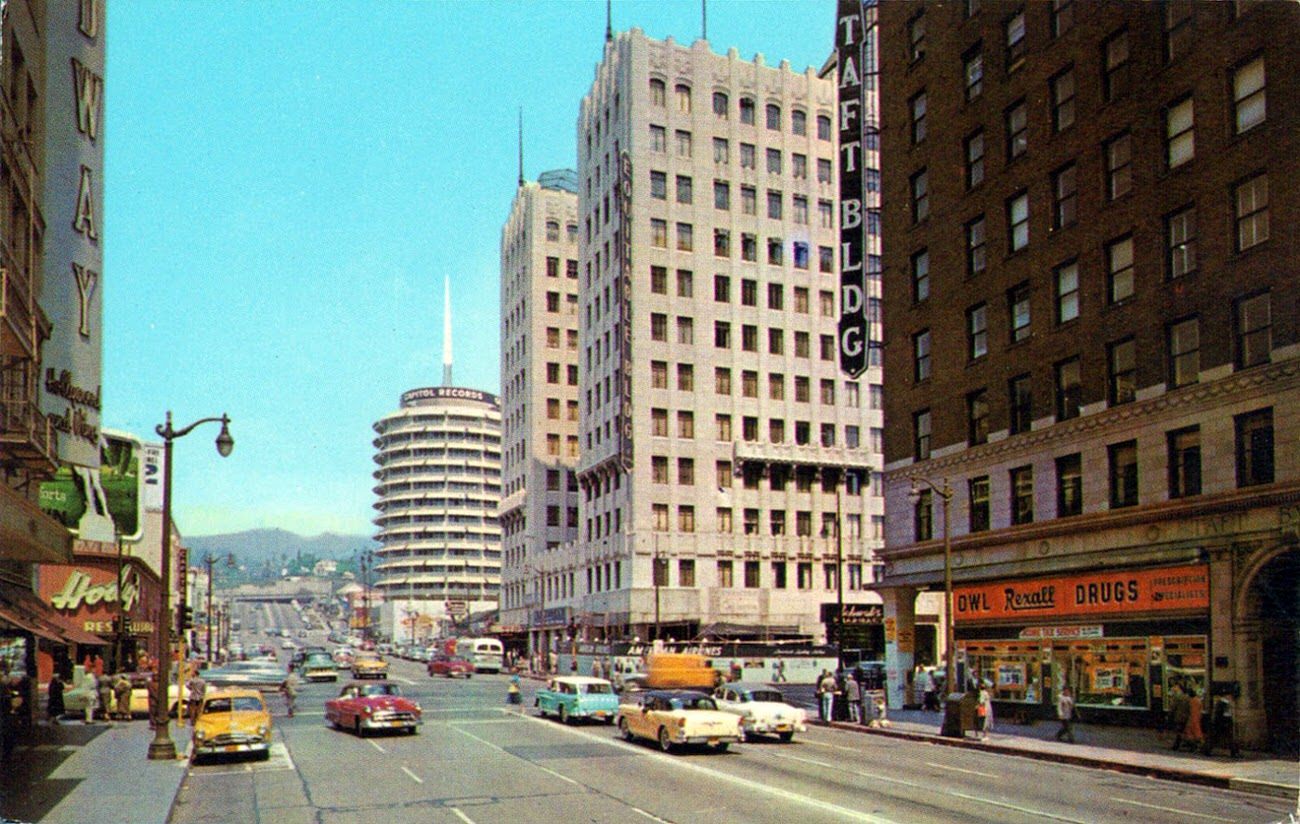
x=1125, y=749
x=73, y=773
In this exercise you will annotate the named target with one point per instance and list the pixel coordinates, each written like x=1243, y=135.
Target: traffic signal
x=184, y=617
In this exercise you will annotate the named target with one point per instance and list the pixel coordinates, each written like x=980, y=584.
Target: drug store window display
x=1014, y=669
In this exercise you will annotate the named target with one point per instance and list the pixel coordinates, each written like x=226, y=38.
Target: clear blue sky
x=288, y=183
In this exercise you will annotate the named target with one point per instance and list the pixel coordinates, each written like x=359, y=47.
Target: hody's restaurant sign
x=78, y=589
x=1130, y=591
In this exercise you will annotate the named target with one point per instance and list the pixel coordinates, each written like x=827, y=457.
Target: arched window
x=774, y=117
x=798, y=122
x=823, y=127
x=657, y=92
x=683, y=98
x=747, y=111
x=720, y=105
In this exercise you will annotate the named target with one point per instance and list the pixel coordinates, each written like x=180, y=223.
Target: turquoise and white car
x=574, y=696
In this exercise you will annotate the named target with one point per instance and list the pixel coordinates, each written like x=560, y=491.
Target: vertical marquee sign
x=625, y=310
x=849, y=41
x=74, y=211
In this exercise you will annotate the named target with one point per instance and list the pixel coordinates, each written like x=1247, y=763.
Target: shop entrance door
x=1278, y=590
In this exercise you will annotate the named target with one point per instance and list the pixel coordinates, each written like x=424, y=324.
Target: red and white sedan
x=450, y=665
x=362, y=707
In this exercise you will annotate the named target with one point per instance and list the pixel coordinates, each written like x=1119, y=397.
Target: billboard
x=100, y=504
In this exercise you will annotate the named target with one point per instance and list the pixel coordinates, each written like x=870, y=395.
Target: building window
x=685, y=377
x=973, y=72
x=1069, y=485
x=1254, y=447
x=774, y=210
x=658, y=327
x=1123, y=466
x=921, y=435
x=1015, y=28
x=1115, y=65
x=977, y=418
x=658, y=92
x=658, y=376
x=658, y=185
x=721, y=150
x=684, y=190
x=1119, y=166
x=1065, y=197
x=685, y=237
x=1184, y=462
x=1180, y=133
x=721, y=243
x=1018, y=221
x=685, y=469
x=1184, y=352
x=920, y=355
x=975, y=159
x=775, y=297
x=920, y=276
x=1017, y=124
x=1119, y=269
x=799, y=205
x=1062, y=17
x=747, y=156
x=720, y=105
x=773, y=161
x=724, y=427
x=1062, y=86
x=721, y=380
x=721, y=288
x=776, y=252
x=823, y=171
x=1121, y=372
x=683, y=98
x=1250, y=200
x=1180, y=240
x=773, y=113
x=1022, y=495
x=825, y=259
x=1254, y=330
x=977, y=496
x=923, y=516
x=1249, y=105
x=658, y=139
x=799, y=166
x=659, y=422
x=747, y=111
x=1020, y=407
x=977, y=331
x=823, y=127
x=658, y=233
x=1069, y=389
x=976, y=258
x=658, y=280
x=749, y=384
x=685, y=330
x=920, y=183
x=748, y=200
x=1178, y=29
x=1018, y=309
x=1066, y=277
x=726, y=578
x=659, y=469
x=916, y=38
x=917, y=105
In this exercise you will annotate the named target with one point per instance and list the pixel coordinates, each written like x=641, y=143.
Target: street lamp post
x=163, y=747
x=208, y=560
x=951, y=724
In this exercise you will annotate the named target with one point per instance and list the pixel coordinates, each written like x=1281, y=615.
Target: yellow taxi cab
x=369, y=665
x=234, y=720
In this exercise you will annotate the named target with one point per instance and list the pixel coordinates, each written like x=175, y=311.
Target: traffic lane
x=693, y=784
x=993, y=786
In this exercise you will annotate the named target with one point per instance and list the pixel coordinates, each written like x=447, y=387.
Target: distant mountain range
x=257, y=546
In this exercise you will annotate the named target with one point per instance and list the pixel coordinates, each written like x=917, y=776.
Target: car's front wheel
x=721, y=746
x=624, y=729
x=564, y=714
x=665, y=741
x=787, y=737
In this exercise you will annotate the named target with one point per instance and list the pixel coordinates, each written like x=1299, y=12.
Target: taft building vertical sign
x=850, y=37
x=625, y=447
x=74, y=211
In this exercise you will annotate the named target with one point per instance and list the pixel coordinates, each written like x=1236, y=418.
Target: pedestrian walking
x=94, y=696
x=826, y=694
x=1178, y=712
x=1192, y=731
x=290, y=691
x=513, y=695
x=195, y=688
x=854, y=693
x=1065, y=714
x=984, y=709
x=54, y=707
x=119, y=692
x=1222, y=732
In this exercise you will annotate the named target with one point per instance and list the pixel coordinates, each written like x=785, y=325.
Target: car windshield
x=702, y=702
x=763, y=695
x=244, y=703
x=597, y=689
x=380, y=689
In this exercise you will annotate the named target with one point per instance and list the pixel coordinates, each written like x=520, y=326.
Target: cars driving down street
x=364, y=707
x=570, y=697
x=450, y=665
x=762, y=710
x=369, y=665
x=232, y=721
x=675, y=717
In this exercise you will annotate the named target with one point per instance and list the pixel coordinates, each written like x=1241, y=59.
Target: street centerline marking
x=960, y=770
x=1169, y=809
x=417, y=779
x=376, y=746
x=461, y=815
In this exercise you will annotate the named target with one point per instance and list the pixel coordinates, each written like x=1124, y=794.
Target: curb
x=1244, y=785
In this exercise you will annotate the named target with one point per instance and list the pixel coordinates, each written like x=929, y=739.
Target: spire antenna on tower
x=521, y=146
x=446, y=332
x=609, y=22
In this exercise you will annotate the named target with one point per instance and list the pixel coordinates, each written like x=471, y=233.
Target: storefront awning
x=22, y=609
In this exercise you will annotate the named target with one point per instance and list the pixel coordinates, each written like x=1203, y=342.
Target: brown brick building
x=1093, y=348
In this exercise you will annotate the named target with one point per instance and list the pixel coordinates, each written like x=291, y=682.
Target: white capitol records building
x=438, y=482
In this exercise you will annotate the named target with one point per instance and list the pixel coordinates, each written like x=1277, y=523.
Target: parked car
x=450, y=666
x=762, y=710
x=369, y=665
x=364, y=707
x=676, y=717
x=232, y=721
x=574, y=696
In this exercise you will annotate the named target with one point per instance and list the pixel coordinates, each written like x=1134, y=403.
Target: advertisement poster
x=103, y=504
